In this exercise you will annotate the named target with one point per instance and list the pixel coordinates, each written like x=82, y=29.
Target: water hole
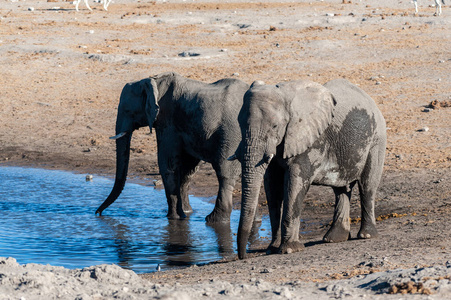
x=48, y=218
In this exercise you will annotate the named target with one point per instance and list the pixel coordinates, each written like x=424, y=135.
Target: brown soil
x=62, y=73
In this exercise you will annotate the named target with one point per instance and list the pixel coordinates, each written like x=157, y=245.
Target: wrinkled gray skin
x=300, y=133
x=193, y=121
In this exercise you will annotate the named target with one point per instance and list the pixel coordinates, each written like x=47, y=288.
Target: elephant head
x=277, y=123
x=138, y=107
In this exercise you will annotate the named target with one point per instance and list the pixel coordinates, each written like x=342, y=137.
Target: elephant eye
x=274, y=126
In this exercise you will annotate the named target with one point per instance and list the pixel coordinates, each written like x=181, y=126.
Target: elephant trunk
x=122, y=160
x=252, y=178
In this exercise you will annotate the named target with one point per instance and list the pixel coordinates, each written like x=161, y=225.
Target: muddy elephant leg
x=188, y=169
x=227, y=173
x=341, y=226
x=223, y=205
x=169, y=164
x=295, y=190
x=274, y=179
x=368, y=185
x=171, y=187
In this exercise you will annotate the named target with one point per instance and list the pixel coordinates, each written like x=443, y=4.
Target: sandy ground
x=62, y=72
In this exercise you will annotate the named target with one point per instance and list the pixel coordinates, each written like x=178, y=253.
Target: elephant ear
x=152, y=107
x=311, y=112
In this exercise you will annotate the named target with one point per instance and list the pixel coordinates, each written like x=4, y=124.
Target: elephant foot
x=367, y=231
x=291, y=247
x=273, y=248
x=175, y=216
x=257, y=218
x=216, y=217
x=187, y=209
x=337, y=234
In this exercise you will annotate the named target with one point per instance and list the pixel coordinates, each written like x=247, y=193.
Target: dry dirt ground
x=62, y=72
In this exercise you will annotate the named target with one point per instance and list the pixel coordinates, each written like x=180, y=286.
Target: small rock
x=91, y=31
x=89, y=177
x=188, y=54
x=428, y=109
x=236, y=74
x=243, y=26
x=424, y=129
x=330, y=15
x=31, y=9
x=265, y=271
x=157, y=182
x=378, y=83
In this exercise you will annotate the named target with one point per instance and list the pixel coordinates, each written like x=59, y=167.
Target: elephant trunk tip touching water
x=122, y=162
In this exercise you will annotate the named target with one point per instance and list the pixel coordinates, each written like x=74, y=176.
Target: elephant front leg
x=170, y=168
x=274, y=179
x=341, y=226
x=296, y=188
x=175, y=208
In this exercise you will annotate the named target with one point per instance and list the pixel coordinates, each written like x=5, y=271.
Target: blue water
x=47, y=217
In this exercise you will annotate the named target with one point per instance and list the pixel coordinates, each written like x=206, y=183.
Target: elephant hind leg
x=223, y=204
x=227, y=173
x=368, y=185
x=341, y=226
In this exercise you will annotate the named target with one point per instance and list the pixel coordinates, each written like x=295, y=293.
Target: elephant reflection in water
x=224, y=238
x=121, y=240
x=181, y=247
x=177, y=243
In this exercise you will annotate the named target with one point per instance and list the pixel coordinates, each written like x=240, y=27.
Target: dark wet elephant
x=300, y=133
x=194, y=121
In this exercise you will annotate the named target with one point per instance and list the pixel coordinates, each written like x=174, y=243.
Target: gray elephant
x=193, y=121
x=300, y=133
